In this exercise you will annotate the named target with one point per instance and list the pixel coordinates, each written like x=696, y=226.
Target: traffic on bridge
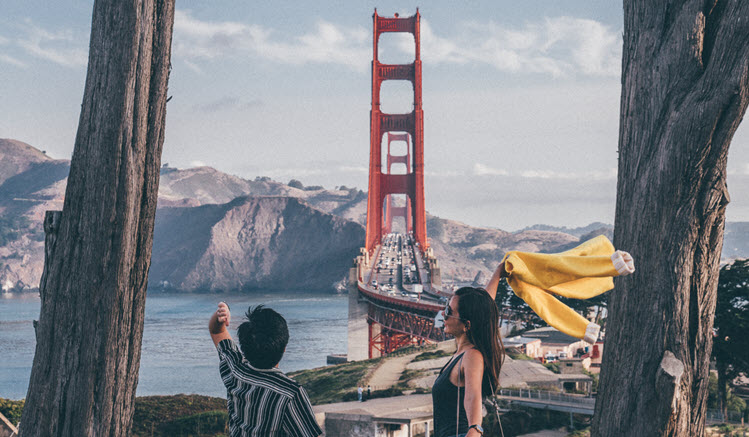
x=397, y=277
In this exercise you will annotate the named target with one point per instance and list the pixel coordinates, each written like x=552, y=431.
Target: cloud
x=596, y=175
x=197, y=164
x=328, y=44
x=227, y=103
x=353, y=169
x=483, y=170
x=11, y=60
x=561, y=46
x=590, y=175
x=58, y=47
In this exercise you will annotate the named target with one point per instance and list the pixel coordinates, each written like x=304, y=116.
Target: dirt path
x=388, y=374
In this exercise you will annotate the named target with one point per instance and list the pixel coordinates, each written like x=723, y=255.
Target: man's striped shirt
x=263, y=402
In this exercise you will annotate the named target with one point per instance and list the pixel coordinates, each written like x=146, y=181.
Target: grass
x=162, y=416
x=554, y=367
x=180, y=415
x=430, y=355
x=335, y=383
x=518, y=356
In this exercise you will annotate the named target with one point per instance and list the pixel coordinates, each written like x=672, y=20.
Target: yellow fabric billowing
x=580, y=273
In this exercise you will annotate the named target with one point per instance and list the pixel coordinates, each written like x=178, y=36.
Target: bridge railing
x=543, y=395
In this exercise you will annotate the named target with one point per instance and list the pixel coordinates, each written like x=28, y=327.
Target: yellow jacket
x=580, y=273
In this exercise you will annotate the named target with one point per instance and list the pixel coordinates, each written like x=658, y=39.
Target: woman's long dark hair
x=475, y=305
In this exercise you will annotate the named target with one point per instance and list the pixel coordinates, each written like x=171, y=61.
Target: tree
x=731, y=344
x=685, y=90
x=98, y=250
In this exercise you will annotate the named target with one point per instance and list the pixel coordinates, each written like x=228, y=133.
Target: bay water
x=177, y=354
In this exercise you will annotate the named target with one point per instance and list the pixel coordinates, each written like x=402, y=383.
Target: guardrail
x=717, y=416
x=549, y=396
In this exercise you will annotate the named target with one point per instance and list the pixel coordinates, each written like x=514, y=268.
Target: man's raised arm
x=218, y=324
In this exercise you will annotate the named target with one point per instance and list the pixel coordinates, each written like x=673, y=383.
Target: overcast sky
x=521, y=99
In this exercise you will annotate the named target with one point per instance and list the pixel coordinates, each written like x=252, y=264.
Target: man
x=262, y=401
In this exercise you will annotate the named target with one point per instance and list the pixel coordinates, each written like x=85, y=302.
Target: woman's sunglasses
x=448, y=312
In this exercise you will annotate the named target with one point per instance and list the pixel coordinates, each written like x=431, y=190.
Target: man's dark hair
x=263, y=337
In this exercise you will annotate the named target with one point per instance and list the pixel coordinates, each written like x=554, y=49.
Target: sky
x=520, y=99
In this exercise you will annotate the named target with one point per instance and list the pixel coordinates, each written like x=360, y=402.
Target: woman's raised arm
x=500, y=273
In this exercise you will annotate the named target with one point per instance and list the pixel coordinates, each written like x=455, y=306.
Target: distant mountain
x=16, y=157
x=216, y=231
x=463, y=251
x=251, y=243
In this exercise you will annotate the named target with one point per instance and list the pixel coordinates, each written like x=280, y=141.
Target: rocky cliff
x=250, y=243
x=465, y=252
x=216, y=231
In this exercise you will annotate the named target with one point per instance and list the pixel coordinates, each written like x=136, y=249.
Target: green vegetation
x=430, y=355
x=524, y=420
x=180, y=415
x=162, y=416
x=734, y=404
x=404, y=382
x=335, y=383
x=554, y=367
x=731, y=344
x=295, y=184
x=515, y=355
x=594, y=384
x=11, y=410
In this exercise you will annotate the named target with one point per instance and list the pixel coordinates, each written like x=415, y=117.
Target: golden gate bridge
x=395, y=288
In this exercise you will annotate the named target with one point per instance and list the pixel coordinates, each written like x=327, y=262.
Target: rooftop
x=551, y=335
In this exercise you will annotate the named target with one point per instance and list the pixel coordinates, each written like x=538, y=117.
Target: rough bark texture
x=684, y=92
x=93, y=291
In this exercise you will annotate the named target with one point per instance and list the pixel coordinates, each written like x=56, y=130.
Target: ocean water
x=178, y=355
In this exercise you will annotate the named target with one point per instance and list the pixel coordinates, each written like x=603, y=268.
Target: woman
x=472, y=317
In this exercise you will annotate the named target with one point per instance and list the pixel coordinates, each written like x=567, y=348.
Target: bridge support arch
x=397, y=126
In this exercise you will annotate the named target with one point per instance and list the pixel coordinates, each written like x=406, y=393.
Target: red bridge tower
x=405, y=126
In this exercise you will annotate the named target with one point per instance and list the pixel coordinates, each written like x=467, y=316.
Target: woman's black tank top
x=444, y=399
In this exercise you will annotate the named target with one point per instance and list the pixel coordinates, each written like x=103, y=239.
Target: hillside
x=216, y=231
x=251, y=243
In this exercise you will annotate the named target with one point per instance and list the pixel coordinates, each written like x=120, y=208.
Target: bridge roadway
x=390, y=282
x=394, y=271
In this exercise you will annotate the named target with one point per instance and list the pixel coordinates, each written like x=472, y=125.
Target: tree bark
x=684, y=93
x=93, y=290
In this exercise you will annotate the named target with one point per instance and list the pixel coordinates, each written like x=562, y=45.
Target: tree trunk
x=722, y=387
x=684, y=92
x=93, y=291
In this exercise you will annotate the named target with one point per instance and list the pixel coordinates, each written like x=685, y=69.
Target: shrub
x=11, y=410
x=209, y=423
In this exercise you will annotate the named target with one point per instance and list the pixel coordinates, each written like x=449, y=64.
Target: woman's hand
x=501, y=272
